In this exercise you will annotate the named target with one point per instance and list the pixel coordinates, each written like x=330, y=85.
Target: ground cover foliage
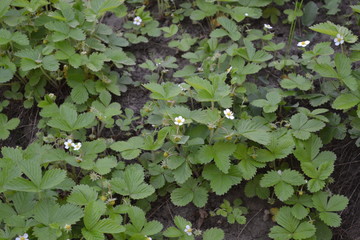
x=238, y=106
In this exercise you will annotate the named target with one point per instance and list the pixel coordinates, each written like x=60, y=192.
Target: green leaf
x=5, y=75
x=52, y=178
x=93, y=211
x=328, y=205
x=45, y=233
x=190, y=192
x=82, y=195
x=296, y=81
x=253, y=131
x=220, y=182
x=108, y=226
x=129, y=149
x=231, y=28
x=182, y=196
x=104, y=165
x=331, y=219
x=283, y=191
x=213, y=234
x=345, y=101
x=50, y=63
x=132, y=183
x=6, y=125
x=96, y=61
x=291, y=228
x=331, y=29
x=68, y=214
x=310, y=12
x=302, y=126
x=166, y=91
x=79, y=94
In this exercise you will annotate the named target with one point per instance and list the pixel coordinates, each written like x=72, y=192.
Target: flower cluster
x=69, y=143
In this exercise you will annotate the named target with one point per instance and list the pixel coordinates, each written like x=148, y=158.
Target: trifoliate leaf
x=296, y=81
x=280, y=146
x=220, y=182
x=290, y=227
x=328, y=205
x=132, y=183
x=302, y=126
x=190, y=192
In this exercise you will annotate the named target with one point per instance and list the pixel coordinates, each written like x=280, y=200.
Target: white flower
x=76, y=146
x=229, y=69
x=137, y=20
x=147, y=238
x=23, y=237
x=188, y=230
x=279, y=172
x=179, y=120
x=303, y=43
x=229, y=114
x=67, y=227
x=68, y=143
x=246, y=14
x=339, y=40
x=267, y=26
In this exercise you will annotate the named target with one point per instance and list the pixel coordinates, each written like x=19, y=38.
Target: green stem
x=50, y=79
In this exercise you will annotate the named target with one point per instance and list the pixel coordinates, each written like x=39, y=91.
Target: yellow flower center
x=302, y=43
x=189, y=229
x=338, y=39
x=68, y=227
x=228, y=114
x=22, y=238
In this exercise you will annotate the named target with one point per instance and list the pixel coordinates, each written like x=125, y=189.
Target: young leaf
x=302, y=126
x=190, y=192
x=327, y=205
